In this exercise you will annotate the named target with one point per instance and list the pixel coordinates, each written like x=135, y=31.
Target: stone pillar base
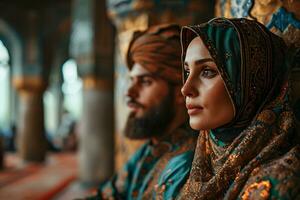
x=96, y=149
x=31, y=140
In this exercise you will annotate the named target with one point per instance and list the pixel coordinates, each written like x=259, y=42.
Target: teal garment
x=154, y=171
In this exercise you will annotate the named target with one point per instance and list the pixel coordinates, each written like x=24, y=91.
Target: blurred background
x=63, y=79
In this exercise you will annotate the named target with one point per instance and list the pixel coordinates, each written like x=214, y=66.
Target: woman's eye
x=187, y=73
x=208, y=73
x=146, y=81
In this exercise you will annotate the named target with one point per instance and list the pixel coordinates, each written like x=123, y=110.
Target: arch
x=14, y=45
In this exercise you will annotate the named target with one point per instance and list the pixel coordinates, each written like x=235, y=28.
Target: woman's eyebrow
x=200, y=61
x=204, y=60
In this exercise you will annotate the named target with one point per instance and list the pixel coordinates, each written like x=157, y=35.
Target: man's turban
x=158, y=50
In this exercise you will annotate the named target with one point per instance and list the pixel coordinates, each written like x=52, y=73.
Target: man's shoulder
x=174, y=168
x=138, y=154
x=180, y=163
x=184, y=138
x=176, y=164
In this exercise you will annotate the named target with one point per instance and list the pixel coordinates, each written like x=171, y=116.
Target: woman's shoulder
x=277, y=179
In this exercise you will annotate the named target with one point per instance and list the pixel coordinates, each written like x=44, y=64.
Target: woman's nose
x=189, y=89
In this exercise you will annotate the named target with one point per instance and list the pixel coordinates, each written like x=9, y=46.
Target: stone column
x=96, y=131
x=92, y=43
x=31, y=141
x=1, y=153
x=30, y=83
x=129, y=16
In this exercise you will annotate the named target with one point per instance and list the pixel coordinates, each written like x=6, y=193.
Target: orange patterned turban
x=158, y=50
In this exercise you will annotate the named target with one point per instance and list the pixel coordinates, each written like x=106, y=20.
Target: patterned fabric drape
x=260, y=160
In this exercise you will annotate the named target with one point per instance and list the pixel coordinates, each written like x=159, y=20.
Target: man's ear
x=179, y=99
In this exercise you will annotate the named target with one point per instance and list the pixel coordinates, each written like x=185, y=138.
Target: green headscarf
x=253, y=64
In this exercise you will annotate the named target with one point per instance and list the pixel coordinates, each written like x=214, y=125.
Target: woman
x=236, y=91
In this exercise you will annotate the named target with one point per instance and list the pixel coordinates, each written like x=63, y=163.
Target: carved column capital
x=29, y=84
x=92, y=82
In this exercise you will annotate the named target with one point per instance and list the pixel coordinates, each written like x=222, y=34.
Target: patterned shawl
x=158, y=50
x=253, y=156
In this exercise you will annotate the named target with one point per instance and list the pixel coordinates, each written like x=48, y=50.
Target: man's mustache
x=133, y=102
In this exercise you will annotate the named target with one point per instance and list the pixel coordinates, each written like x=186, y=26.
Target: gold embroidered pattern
x=259, y=190
x=267, y=116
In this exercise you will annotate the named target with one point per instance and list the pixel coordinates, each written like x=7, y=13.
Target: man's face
x=150, y=101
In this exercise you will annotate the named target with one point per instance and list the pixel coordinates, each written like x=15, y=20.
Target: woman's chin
x=196, y=125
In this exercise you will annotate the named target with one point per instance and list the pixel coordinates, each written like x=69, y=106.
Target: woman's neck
x=224, y=136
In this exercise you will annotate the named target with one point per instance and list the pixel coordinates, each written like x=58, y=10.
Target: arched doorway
x=5, y=88
x=63, y=99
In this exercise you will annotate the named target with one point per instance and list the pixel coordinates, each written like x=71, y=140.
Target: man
x=161, y=166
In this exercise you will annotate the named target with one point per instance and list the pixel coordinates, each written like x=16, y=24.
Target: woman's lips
x=193, y=110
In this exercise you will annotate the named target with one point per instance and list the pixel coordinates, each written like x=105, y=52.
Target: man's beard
x=153, y=123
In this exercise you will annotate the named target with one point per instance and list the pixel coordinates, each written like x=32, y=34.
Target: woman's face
x=207, y=100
